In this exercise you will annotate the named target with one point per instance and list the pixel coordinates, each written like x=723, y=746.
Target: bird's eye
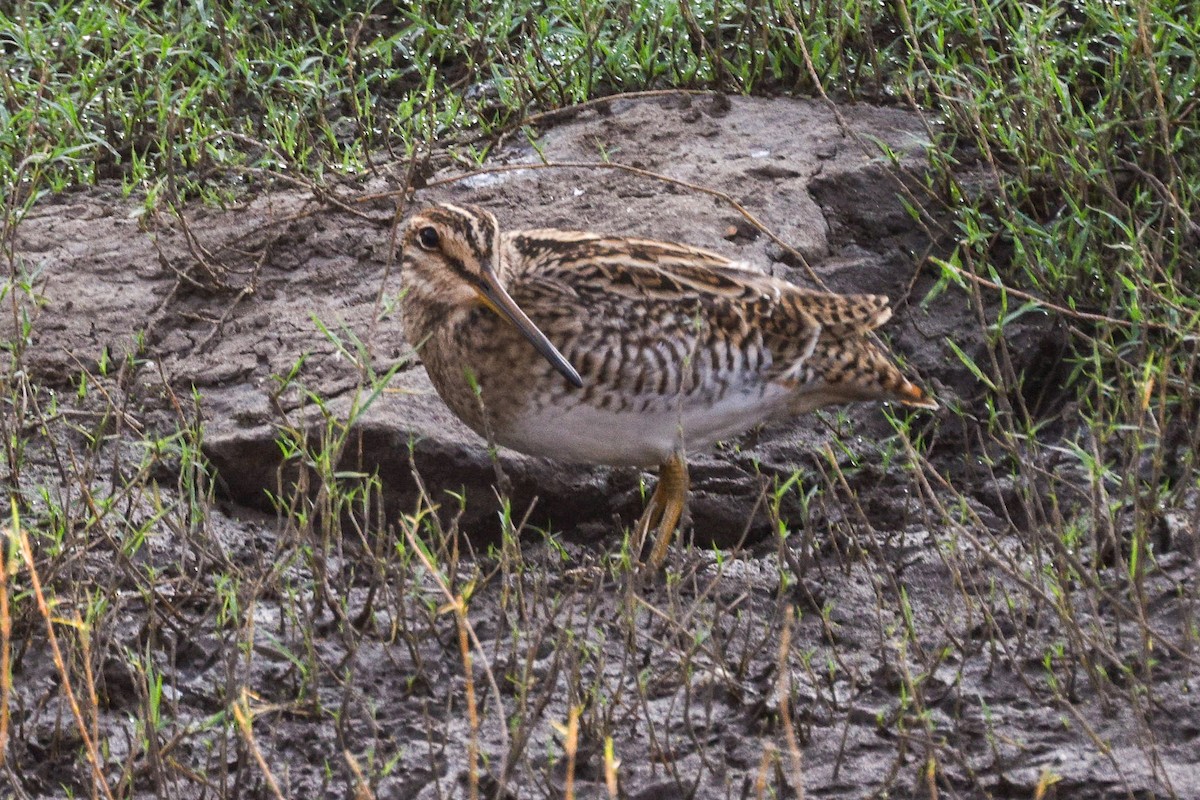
x=428, y=238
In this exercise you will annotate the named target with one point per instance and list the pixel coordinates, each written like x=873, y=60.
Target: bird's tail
x=848, y=370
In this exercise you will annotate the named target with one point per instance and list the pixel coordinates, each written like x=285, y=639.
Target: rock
x=292, y=289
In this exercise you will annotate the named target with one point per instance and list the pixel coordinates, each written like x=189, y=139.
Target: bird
x=620, y=351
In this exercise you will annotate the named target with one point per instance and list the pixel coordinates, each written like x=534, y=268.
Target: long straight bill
x=500, y=302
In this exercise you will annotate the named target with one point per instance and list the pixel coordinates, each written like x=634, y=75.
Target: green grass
x=1063, y=180
x=1084, y=114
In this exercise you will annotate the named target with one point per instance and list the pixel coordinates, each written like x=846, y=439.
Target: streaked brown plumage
x=675, y=347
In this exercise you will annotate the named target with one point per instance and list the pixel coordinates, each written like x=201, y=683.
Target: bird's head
x=451, y=254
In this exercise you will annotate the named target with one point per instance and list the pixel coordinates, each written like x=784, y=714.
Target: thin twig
x=35, y=583
x=557, y=114
x=1066, y=312
x=784, y=694
x=241, y=713
x=459, y=607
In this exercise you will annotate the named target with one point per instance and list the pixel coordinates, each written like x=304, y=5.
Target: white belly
x=588, y=434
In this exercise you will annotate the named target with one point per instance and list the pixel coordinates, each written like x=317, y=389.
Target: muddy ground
x=193, y=488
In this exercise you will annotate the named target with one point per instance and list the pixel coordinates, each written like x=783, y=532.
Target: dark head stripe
x=474, y=225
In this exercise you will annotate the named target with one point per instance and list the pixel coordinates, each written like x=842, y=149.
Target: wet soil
x=862, y=630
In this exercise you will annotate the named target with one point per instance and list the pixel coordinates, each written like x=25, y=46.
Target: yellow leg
x=664, y=509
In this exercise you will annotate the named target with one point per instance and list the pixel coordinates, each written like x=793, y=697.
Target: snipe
x=626, y=352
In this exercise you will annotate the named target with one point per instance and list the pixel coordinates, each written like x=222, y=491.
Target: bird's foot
x=663, y=512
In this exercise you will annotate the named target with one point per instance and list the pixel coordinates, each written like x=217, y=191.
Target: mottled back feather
x=695, y=295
